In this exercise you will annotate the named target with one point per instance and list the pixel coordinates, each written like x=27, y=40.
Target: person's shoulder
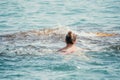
x=62, y=49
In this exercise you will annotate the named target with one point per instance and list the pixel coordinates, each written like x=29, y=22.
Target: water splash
x=37, y=42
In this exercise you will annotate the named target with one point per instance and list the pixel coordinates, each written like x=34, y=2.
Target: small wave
x=114, y=48
x=42, y=41
x=59, y=31
x=33, y=42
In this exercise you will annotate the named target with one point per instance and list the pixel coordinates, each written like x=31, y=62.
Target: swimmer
x=70, y=43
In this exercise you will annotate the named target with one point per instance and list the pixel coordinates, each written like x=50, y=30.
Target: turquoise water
x=28, y=49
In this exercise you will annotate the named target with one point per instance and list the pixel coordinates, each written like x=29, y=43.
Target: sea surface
x=31, y=32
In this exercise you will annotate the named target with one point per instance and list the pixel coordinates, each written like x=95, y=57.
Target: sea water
x=31, y=32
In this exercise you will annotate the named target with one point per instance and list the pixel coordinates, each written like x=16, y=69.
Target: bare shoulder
x=62, y=49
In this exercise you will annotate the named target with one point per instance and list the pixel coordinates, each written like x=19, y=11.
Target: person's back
x=70, y=43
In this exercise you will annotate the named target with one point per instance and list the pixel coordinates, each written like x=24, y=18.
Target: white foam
x=82, y=33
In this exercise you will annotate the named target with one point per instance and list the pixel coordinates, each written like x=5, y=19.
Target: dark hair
x=70, y=38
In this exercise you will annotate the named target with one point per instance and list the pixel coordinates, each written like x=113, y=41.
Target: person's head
x=70, y=38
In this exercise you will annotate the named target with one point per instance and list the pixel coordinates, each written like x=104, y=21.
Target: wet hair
x=70, y=38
